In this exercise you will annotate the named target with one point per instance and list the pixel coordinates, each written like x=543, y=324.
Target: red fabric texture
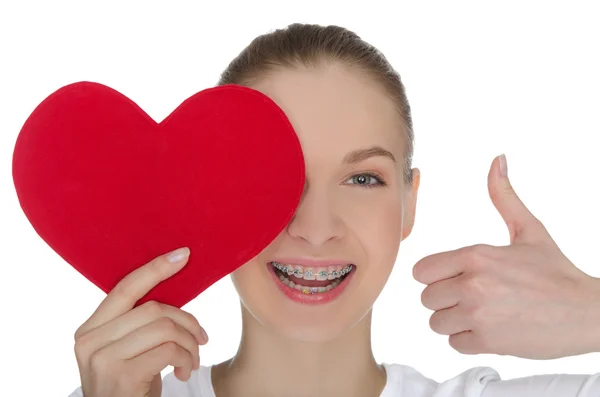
x=109, y=189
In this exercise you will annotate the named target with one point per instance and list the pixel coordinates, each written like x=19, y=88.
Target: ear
x=410, y=204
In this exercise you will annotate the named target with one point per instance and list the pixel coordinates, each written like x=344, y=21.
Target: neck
x=268, y=364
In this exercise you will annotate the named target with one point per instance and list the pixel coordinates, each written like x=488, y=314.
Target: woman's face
x=354, y=212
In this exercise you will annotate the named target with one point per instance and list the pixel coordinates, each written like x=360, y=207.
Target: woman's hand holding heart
x=526, y=299
x=121, y=350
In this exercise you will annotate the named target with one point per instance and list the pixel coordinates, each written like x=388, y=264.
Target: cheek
x=379, y=227
x=247, y=278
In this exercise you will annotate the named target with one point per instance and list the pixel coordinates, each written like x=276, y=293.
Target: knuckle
x=474, y=288
x=81, y=346
x=478, y=255
x=167, y=324
x=477, y=315
x=462, y=343
x=153, y=308
x=479, y=249
x=100, y=362
x=192, y=319
x=157, y=266
x=496, y=194
x=80, y=351
x=171, y=349
x=83, y=329
x=538, y=223
x=78, y=333
x=122, y=290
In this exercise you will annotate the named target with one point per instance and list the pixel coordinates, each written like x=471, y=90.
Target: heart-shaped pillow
x=109, y=189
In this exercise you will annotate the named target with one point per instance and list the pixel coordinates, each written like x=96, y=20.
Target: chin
x=305, y=316
x=313, y=324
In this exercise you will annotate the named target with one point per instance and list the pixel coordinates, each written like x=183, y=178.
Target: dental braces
x=323, y=273
x=312, y=290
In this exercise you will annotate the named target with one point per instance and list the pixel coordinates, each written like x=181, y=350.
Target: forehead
x=335, y=110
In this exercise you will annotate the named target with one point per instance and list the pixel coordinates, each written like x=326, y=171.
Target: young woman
x=307, y=298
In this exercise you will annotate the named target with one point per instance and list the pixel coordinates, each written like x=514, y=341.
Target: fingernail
x=178, y=255
x=503, y=166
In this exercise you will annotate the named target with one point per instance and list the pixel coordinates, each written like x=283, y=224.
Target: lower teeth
x=308, y=290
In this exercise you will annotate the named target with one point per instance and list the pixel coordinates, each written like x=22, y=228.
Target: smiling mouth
x=311, y=280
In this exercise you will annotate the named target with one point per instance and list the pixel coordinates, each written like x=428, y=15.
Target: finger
x=135, y=286
x=150, y=336
x=440, y=266
x=152, y=362
x=140, y=317
x=466, y=342
x=441, y=294
x=448, y=321
x=521, y=223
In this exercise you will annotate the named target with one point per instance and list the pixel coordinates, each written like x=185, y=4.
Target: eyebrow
x=359, y=155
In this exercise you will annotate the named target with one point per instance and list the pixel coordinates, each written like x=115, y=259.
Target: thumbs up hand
x=525, y=299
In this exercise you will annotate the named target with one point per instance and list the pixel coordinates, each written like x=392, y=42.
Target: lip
x=310, y=262
x=310, y=299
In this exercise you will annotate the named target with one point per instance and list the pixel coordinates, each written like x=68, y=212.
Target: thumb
x=522, y=225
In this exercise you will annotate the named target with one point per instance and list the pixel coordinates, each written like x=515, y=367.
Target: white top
x=404, y=381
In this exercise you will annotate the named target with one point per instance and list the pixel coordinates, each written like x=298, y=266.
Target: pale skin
x=526, y=299
x=487, y=299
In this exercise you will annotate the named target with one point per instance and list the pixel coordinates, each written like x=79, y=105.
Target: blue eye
x=367, y=180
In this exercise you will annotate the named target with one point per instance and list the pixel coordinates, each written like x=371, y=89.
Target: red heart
x=109, y=189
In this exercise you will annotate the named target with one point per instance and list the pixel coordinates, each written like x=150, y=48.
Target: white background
x=482, y=79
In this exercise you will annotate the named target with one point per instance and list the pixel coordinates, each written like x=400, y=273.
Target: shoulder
x=486, y=382
x=404, y=380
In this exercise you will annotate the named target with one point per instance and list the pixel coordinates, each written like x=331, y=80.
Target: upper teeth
x=322, y=273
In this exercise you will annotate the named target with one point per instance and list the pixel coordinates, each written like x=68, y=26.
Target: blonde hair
x=308, y=45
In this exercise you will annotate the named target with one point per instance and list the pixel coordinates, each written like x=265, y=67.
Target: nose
x=315, y=220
